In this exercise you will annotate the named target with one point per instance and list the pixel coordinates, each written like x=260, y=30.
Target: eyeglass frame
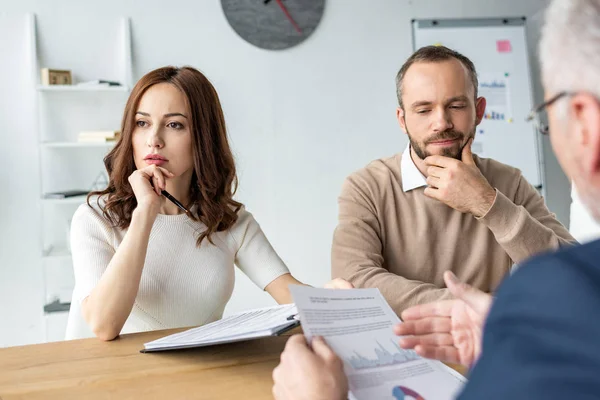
x=534, y=115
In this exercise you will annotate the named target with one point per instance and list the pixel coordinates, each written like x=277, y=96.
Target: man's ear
x=585, y=109
x=400, y=116
x=480, y=104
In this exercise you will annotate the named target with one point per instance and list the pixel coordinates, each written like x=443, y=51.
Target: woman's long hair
x=214, y=180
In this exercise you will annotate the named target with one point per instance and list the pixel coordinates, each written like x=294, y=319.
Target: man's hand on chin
x=459, y=184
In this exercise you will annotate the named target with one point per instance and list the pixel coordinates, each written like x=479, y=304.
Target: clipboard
x=248, y=325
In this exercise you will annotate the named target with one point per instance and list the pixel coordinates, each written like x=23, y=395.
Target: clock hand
x=287, y=14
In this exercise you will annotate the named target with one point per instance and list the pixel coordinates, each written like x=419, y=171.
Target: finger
x=435, y=171
x=156, y=185
x=161, y=180
x=276, y=374
x=433, y=181
x=322, y=350
x=467, y=155
x=276, y=391
x=297, y=341
x=440, y=161
x=435, y=309
x=166, y=172
x=433, y=339
x=147, y=172
x=475, y=298
x=442, y=353
x=151, y=170
x=424, y=326
x=297, y=349
x=432, y=192
x=147, y=178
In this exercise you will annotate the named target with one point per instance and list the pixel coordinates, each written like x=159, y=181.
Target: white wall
x=20, y=269
x=300, y=120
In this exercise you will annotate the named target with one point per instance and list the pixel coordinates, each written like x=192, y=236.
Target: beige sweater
x=402, y=242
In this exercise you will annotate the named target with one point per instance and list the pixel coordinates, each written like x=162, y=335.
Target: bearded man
x=437, y=207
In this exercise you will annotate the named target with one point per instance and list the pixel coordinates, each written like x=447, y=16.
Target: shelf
x=50, y=314
x=60, y=252
x=81, y=88
x=56, y=306
x=104, y=145
x=68, y=200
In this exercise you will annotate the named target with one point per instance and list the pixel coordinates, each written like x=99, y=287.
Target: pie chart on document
x=404, y=393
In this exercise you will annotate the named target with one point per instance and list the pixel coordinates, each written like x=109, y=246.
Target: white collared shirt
x=412, y=178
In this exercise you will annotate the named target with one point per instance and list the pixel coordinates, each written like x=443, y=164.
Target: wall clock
x=273, y=24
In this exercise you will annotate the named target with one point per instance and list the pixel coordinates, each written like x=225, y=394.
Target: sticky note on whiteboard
x=503, y=46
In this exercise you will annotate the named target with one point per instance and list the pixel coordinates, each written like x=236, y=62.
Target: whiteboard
x=498, y=48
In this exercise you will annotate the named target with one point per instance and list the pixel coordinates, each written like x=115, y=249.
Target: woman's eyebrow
x=175, y=115
x=145, y=114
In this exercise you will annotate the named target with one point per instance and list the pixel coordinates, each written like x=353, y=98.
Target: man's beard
x=451, y=152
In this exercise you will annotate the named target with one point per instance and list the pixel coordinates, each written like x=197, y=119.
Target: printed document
x=357, y=324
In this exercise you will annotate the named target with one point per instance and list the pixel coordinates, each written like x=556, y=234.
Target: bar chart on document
x=379, y=368
x=383, y=356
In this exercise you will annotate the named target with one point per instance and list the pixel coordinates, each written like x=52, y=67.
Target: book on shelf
x=56, y=77
x=56, y=306
x=65, y=194
x=96, y=140
x=99, y=82
x=98, y=136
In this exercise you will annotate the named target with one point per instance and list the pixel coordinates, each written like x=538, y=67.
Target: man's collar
x=412, y=178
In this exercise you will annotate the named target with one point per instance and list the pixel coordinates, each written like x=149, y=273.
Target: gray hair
x=570, y=46
x=434, y=54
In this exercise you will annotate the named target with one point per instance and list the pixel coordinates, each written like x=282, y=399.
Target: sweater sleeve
x=254, y=255
x=91, y=249
x=357, y=253
x=525, y=227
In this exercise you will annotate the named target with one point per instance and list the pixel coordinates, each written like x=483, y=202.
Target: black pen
x=175, y=201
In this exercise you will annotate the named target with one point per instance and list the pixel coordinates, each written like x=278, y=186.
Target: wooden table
x=92, y=369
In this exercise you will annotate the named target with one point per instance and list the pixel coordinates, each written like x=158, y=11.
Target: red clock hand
x=287, y=14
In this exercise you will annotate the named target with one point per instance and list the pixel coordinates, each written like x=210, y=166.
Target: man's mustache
x=446, y=135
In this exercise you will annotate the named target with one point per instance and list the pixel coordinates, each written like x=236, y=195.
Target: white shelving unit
x=75, y=145
x=67, y=200
x=61, y=252
x=66, y=164
x=81, y=88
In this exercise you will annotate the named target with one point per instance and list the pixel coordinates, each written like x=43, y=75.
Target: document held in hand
x=357, y=324
x=253, y=324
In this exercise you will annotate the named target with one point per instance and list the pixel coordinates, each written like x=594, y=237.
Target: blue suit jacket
x=542, y=336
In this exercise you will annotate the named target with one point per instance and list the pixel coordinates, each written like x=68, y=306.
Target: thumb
x=467, y=155
x=321, y=349
x=476, y=299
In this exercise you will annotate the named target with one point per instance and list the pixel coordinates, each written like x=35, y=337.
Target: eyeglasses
x=539, y=113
